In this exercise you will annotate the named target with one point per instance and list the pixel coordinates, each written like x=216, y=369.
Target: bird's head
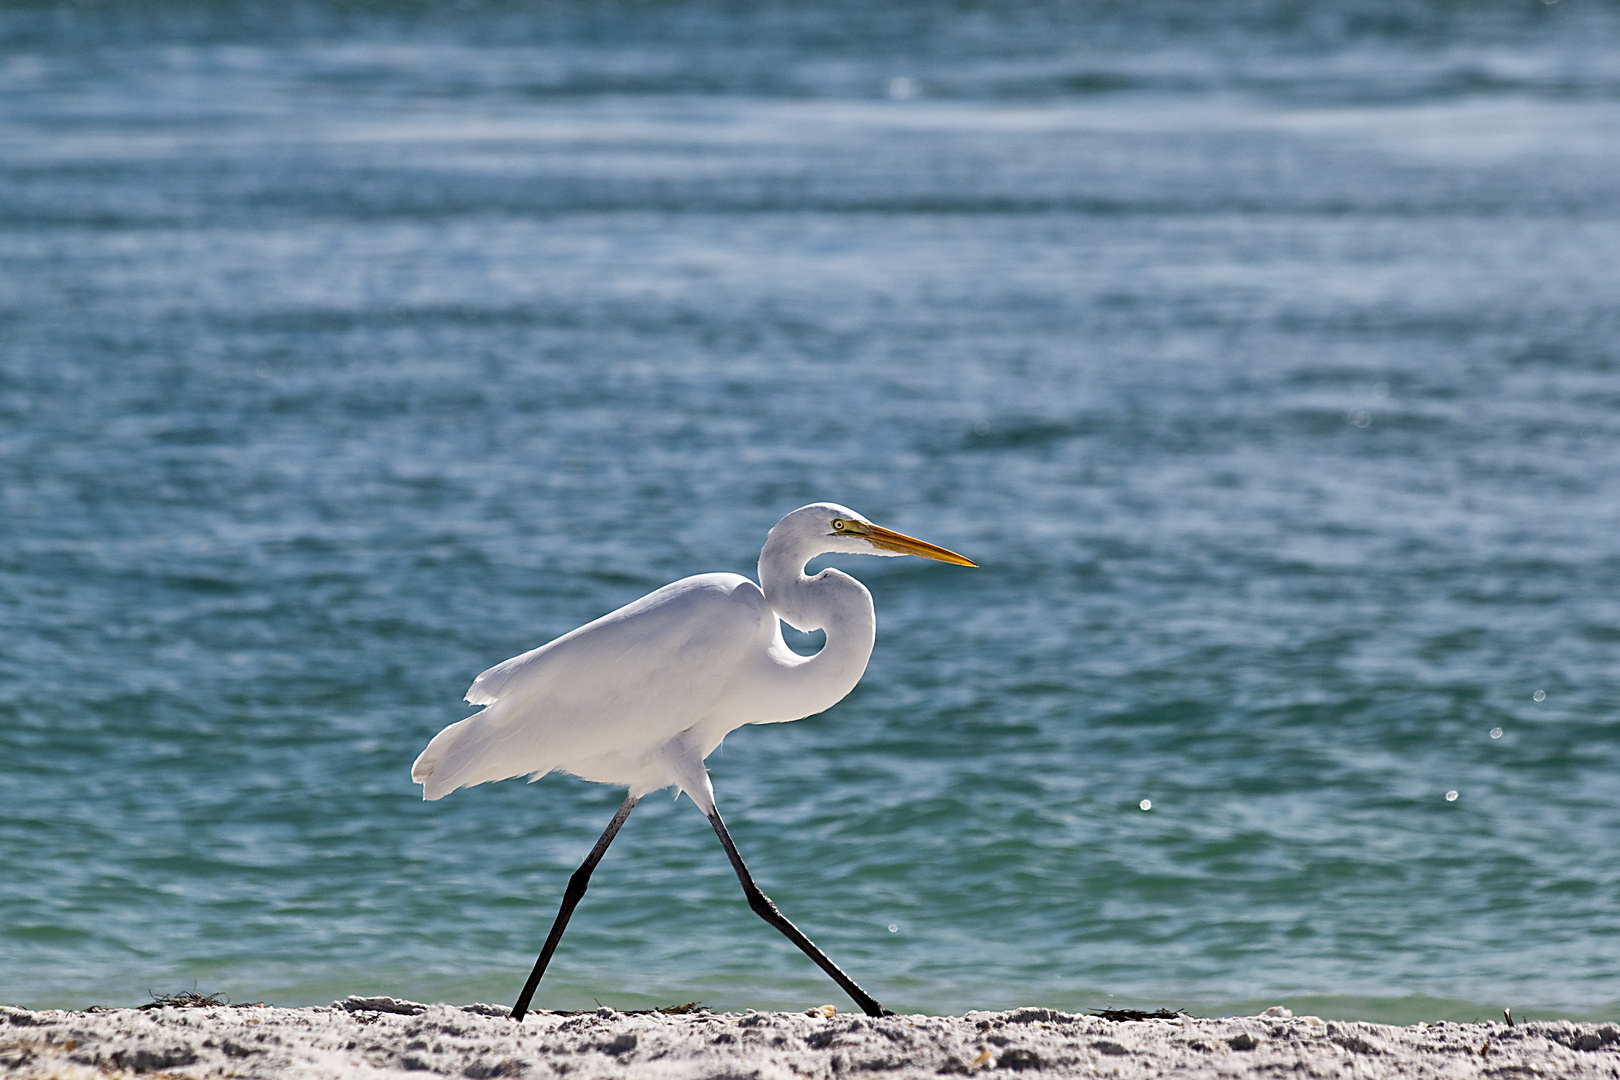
x=833, y=528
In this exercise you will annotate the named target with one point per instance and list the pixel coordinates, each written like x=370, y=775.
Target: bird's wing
x=613, y=690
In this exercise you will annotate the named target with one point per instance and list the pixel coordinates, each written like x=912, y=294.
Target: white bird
x=641, y=696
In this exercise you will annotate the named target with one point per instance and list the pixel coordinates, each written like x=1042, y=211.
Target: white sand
x=367, y=1037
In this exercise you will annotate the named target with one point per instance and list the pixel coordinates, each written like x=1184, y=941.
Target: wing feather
x=608, y=694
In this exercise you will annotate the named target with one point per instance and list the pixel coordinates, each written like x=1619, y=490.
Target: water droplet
x=1359, y=417
x=1451, y=796
x=1539, y=695
x=262, y=370
x=1146, y=804
x=1496, y=733
x=901, y=88
x=893, y=929
x=982, y=428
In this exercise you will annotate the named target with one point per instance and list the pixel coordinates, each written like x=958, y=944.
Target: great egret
x=642, y=695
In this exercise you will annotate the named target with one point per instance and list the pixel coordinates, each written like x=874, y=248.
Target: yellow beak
x=890, y=540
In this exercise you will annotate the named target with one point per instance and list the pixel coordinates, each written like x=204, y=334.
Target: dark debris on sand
x=190, y=999
x=1117, y=1015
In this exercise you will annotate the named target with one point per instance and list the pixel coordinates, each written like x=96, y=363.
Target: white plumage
x=642, y=695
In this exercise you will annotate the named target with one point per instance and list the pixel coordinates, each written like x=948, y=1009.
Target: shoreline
x=366, y=1037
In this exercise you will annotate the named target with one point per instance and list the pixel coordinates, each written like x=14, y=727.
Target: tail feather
x=428, y=770
x=458, y=757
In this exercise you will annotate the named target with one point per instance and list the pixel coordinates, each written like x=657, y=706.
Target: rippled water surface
x=1267, y=360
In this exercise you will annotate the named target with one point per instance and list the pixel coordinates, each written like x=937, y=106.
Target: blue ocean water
x=1265, y=355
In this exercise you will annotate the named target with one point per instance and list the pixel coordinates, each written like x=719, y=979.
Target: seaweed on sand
x=190, y=999
x=1138, y=1014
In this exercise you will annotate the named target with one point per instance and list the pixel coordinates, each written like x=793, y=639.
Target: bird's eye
x=838, y=524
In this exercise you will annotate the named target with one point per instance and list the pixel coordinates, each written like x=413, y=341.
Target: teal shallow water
x=1273, y=379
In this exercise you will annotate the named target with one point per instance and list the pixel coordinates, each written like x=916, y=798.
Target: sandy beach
x=364, y=1037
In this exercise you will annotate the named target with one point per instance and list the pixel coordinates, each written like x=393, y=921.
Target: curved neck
x=831, y=601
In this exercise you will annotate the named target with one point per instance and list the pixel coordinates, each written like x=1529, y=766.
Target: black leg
x=765, y=909
x=575, y=890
